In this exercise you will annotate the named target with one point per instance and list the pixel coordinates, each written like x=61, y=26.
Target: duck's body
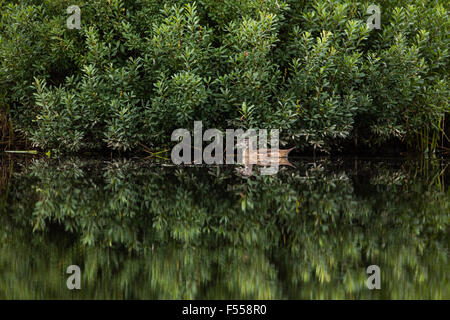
x=264, y=158
x=269, y=153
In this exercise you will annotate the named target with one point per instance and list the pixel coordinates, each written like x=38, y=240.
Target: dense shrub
x=137, y=70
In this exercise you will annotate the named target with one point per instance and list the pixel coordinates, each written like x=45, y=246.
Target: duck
x=263, y=157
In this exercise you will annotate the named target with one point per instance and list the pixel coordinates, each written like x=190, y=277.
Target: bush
x=137, y=70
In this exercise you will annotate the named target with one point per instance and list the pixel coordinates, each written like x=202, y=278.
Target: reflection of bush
x=5, y=175
x=191, y=233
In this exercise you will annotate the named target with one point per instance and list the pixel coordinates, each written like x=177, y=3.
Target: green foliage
x=137, y=70
x=143, y=231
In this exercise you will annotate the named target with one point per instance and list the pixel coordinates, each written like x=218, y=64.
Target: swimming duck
x=262, y=157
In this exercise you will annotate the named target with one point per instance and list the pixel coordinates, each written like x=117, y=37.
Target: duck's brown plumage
x=264, y=157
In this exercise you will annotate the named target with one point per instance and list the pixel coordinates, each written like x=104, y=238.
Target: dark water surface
x=147, y=231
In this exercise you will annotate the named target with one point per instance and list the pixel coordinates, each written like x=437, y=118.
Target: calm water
x=147, y=231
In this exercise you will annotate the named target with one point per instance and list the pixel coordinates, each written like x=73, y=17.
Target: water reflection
x=141, y=230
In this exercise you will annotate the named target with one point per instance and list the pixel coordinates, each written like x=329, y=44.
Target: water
x=142, y=230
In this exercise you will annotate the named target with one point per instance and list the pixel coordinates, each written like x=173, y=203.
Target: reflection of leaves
x=316, y=225
x=389, y=178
